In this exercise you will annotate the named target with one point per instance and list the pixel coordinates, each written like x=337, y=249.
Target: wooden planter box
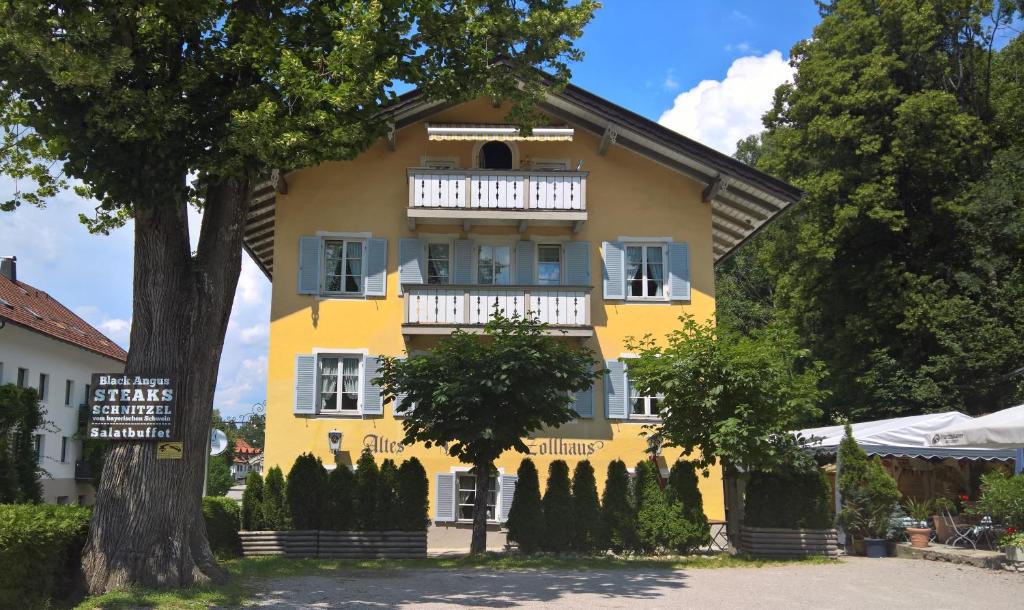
x=330, y=544
x=787, y=543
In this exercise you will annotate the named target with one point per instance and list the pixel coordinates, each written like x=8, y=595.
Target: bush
x=792, y=500
x=275, y=510
x=218, y=475
x=692, y=530
x=223, y=518
x=412, y=491
x=526, y=516
x=305, y=492
x=20, y=415
x=1002, y=497
x=618, y=519
x=853, y=464
x=252, y=502
x=870, y=496
x=367, y=480
x=586, y=512
x=655, y=522
x=557, y=509
x=387, y=495
x=40, y=549
x=338, y=501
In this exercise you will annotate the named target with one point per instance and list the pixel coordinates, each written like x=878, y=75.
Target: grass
x=247, y=574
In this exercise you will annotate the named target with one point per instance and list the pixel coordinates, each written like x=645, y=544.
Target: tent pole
x=1018, y=463
x=840, y=534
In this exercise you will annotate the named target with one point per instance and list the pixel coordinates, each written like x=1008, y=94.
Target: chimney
x=9, y=267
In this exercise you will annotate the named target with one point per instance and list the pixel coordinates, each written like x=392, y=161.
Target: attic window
x=7, y=303
x=495, y=155
x=34, y=314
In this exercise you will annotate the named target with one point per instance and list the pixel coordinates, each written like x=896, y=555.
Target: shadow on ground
x=468, y=587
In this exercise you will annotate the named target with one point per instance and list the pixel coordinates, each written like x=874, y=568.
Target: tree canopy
x=901, y=268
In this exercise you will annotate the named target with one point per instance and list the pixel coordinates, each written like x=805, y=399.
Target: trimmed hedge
x=798, y=500
x=223, y=517
x=40, y=549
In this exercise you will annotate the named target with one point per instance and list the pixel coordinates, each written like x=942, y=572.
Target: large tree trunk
x=147, y=527
x=479, y=541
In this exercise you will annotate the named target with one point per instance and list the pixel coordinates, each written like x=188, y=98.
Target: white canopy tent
x=1000, y=430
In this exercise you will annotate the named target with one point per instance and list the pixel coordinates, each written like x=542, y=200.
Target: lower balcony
x=440, y=309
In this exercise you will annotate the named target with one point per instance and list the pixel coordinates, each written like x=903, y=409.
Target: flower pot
x=919, y=536
x=1015, y=553
x=876, y=547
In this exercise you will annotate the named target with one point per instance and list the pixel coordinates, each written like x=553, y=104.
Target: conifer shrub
x=558, y=524
x=526, y=516
x=870, y=496
x=252, y=502
x=275, y=507
x=307, y=481
x=792, y=500
x=412, y=496
x=387, y=495
x=586, y=512
x=618, y=517
x=656, y=523
x=339, y=514
x=367, y=496
x=223, y=518
x=692, y=530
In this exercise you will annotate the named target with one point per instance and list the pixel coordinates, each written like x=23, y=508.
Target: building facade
x=603, y=224
x=45, y=346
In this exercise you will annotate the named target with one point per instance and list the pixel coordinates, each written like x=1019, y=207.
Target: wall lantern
x=334, y=440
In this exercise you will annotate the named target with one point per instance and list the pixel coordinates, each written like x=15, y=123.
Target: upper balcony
x=484, y=196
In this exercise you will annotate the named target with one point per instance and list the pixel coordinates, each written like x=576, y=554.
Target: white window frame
x=561, y=262
x=438, y=242
x=362, y=267
x=340, y=354
x=39, y=442
x=65, y=449
x=459, y=472
x=44, y=387
x=20, y=381
x=478, y=243
x=69, y=392
x=626, y=245
x=646, y=415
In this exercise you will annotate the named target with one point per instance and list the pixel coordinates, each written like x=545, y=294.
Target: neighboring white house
x=44, y=345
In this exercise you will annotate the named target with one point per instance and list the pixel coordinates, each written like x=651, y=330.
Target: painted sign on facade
x=130, y=408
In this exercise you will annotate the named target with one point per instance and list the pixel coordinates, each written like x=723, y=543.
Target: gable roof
x=37, y=311
x=743, y=199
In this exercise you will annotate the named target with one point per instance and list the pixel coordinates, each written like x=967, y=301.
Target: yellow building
x=604, y=224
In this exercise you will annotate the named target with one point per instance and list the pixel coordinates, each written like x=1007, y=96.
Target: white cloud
x=253, y=333
x=253, y=287
x=720, y=113
x=670, y=83
x=742, y=47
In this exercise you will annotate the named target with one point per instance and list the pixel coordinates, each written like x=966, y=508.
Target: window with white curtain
x=343, y=266
x=438, y=263
x=338, y=384
x=494, y=265
x=645, y=271
x=467, y=496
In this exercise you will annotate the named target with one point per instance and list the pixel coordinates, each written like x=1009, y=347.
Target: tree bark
x=478, y=543
x=147, y=527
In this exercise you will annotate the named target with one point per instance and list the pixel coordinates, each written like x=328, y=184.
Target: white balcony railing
x=497, y=190
x=474, y=305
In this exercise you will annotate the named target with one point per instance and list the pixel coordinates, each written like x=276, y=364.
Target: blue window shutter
x=584, y=405
x=372, y=403
x=508, y=490
x=462, y=262
x=376, y=267
x=412, y=267
x=615, y=390
x=679, y=271
x=444, y=498
x=305, y=384
x=309, y=264
x=577, y=263
x=614, y=270
x=524, y=262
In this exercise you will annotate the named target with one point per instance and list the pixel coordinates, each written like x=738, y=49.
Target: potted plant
x=919, y=511
x=1002, y=498
x=1012, y=544
x=870, y=496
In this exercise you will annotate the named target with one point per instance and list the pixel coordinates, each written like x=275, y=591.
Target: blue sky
x=703, y=67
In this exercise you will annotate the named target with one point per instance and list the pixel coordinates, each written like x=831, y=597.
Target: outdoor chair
x=963, y=531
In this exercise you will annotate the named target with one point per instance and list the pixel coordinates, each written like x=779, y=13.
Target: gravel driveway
x=854, y=583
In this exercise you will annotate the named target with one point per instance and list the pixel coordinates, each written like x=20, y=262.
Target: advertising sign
x=130, y=408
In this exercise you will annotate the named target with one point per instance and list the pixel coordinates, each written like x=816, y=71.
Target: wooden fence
x=330, y=544
x=785, y=543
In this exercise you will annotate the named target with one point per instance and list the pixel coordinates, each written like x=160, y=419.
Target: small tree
x=412, y=491
x=307, y=481
x=387, y=495
x=339, y=514
x=558, y=523
x=480, y=396
x=275, y=508
x=218, y=476
x=869, y=494
x=656, y=523
x=20, y=416
x=252, y=502
x=526, y=517
x=685, y=500
x=367, y=494
x=618, y=519
x=586, y=512
x=852, y=462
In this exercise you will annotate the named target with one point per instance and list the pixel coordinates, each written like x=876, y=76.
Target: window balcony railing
x=482, y=189
x=439, y=309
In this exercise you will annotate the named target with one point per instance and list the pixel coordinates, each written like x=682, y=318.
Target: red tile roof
x=35, y=310
x=242, y=447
